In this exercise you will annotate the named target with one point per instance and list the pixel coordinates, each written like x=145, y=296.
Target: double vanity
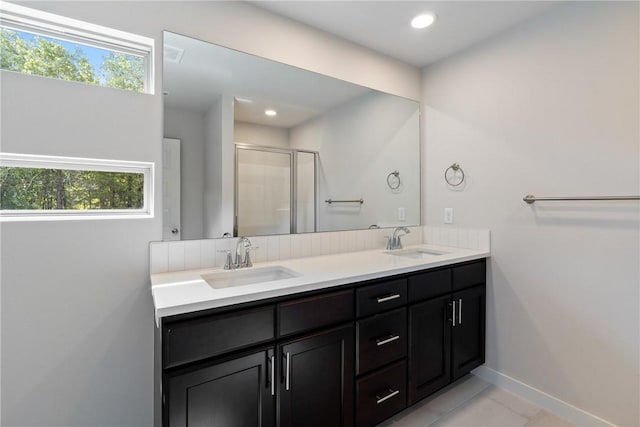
x=337, y=340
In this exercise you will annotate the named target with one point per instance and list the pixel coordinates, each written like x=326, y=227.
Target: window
x=44, y=44
x=47, y=187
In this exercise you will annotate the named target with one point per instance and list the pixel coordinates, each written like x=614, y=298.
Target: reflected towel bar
x=530, y=198
x=361, y=201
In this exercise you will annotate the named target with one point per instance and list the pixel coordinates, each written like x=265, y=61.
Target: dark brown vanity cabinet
x=446, y=328
x=316, y=389
x=353, y=355
x=429, y=347
x=468, y=334
x=303, y=377
x=381, y=350
x=232, y=393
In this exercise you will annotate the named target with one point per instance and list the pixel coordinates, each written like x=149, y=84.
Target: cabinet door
x=429, y=347
x=316, y=382
x=235, y=393
x=469, y=331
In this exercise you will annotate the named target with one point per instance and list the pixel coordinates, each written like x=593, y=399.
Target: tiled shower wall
x=210, y=253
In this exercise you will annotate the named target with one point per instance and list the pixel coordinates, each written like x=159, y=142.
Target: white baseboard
x=540, y=398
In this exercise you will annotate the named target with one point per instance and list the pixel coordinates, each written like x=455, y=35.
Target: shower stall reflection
x=275, y=190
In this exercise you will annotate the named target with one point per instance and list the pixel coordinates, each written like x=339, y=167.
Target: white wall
x=77, y=320
x=188, y=127
x=251, y=133
x=360, y=143
x=218, y=171
x=550, y=108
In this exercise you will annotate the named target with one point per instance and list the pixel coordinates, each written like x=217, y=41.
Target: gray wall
x=188, y=127
x=550, y=108
x=359, y=143
x=76, y=312
x=77, y=318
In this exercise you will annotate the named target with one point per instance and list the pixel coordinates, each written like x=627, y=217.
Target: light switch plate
x=448, y=215
x=401, y=216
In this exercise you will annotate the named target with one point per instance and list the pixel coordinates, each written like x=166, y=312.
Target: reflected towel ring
x=455, y=167
x=397, y=183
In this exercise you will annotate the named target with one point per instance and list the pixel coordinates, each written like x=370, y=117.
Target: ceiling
x=383, y=26
x=197, y=73
x=200, y=72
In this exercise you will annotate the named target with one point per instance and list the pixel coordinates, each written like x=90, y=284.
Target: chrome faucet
x=394, y=242
x=243, y=260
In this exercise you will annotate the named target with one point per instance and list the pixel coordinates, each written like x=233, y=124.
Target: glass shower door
x=263, y=191
x=305, y=188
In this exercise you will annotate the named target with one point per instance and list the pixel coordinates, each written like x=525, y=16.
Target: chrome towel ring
x=394, y=185
x=450, y=179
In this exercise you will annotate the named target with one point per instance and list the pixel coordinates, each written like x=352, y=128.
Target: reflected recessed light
x=423, y=20
x=270, y=112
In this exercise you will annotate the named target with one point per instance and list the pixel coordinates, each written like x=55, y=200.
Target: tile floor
x=472, y=402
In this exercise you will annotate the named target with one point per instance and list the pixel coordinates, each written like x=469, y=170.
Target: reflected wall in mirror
x=325, y=161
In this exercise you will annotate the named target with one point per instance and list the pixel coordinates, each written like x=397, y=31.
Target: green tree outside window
x=23, y=188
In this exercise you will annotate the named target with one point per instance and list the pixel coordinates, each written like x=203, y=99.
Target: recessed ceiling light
x=270, y=112
x=423, y=20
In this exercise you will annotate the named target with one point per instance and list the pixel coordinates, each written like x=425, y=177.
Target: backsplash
x=209, y=253
x=468, y=238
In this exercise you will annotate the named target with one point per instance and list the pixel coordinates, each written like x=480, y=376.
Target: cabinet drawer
x=381, y=339
x=428, y=285
x=469, y=275
x=315, y=312
x=380, y=297
x=195, y=339
x=380, y=395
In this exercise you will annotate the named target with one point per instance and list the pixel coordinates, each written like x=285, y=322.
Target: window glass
x=35, y=187
x=45, y=189
x=30, y=53
x=45, y=44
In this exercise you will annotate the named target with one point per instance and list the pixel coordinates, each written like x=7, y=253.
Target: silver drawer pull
x=273, y=376
x=388, y=298
x=453, y=316
x=287, y=380
x=392, y=393
x=383, y=341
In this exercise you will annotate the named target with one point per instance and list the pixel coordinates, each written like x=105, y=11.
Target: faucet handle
x=227, y=264
x=389, y=242
x=247, y=255
x=247, y=258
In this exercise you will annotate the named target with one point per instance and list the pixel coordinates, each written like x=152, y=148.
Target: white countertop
x=186, y=291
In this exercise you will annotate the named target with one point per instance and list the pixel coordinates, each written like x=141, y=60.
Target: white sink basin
x=248, y=276
x=416, y=253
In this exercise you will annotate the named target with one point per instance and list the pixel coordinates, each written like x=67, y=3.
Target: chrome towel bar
x=361, y=201
x=531, y=199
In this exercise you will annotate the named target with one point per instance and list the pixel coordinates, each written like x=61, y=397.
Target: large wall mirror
x=256, y=147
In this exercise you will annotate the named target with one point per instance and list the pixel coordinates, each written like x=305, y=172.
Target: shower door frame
x=293, y=196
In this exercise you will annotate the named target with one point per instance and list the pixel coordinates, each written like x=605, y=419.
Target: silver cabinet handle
x=287, y=371
x=453, y=317
x=460, y=311
x=392, y=393
x=383, y=341
x=273, y=376
x=388, y=298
